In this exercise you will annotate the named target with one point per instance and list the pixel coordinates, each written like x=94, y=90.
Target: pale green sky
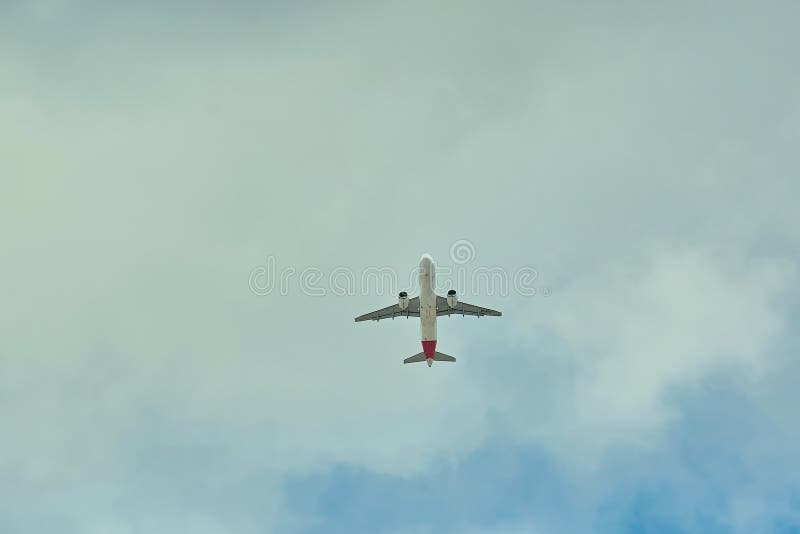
x=642, y=158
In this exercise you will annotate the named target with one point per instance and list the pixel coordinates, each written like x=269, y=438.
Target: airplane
x=427, y=306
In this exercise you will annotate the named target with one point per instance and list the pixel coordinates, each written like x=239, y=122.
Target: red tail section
x=429, y=348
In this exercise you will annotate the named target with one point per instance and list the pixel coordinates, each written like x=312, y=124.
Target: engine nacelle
x=452, y=300
x=402, y=300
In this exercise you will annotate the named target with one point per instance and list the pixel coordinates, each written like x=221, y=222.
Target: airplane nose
x=425, y=263
x=430, y=362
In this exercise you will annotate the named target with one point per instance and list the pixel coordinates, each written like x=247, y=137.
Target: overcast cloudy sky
x=643, y=159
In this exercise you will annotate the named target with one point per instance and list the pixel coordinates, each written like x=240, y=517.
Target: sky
x=637, y=163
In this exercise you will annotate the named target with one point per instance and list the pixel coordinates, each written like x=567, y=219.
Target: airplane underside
x=428, y=306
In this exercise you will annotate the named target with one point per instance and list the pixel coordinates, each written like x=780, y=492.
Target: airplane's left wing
x=462, y=308
x=390, y=312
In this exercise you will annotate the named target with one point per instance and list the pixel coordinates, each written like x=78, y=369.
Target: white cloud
x=151, y=174
x=639, y=330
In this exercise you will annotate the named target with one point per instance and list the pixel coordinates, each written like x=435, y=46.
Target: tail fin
x=437, y=357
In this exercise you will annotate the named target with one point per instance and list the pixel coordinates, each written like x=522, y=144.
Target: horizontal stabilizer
x=437, y=357
x=415, y=358
x=441, y=357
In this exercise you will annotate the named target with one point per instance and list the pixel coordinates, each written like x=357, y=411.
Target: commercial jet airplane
x=427, y=306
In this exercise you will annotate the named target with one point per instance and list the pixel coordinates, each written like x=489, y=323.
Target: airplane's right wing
x=462, y=308
x=390, y=312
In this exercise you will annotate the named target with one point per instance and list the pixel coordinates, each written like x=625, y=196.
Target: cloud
x=637, y=332
x=642, y=163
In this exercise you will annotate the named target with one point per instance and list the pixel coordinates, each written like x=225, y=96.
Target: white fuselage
x=427, y=304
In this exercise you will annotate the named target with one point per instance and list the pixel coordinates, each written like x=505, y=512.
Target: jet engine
x=402, y=300
x=452, y=300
